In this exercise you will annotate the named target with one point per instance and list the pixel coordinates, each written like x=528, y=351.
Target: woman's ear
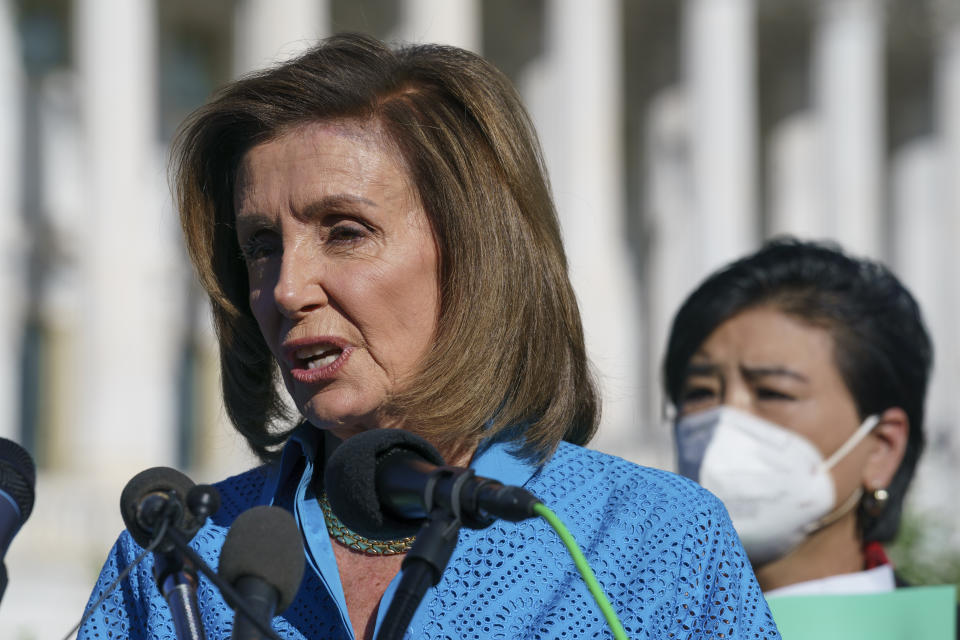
x=888, y=446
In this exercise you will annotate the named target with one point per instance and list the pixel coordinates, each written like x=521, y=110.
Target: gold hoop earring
x=875, y=502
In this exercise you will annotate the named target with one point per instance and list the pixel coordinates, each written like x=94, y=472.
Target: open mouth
x=317, y=356
x=318, y=360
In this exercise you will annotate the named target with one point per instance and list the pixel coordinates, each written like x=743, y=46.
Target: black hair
x=882, y=349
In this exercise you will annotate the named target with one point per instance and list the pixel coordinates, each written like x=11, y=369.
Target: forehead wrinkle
x=749, y=372
x=373, y=159
x=754, y=372
x=319, y=206
x=366, y=132
x=702, y=369
x=372, y=164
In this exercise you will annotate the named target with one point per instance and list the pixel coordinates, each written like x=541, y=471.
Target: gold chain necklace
x=339, y=532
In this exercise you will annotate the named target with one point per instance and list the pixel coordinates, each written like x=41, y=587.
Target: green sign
x=913, y=613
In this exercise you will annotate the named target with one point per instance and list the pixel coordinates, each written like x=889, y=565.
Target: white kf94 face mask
x=774, y=483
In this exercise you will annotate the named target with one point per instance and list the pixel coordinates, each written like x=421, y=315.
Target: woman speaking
x=375, y=233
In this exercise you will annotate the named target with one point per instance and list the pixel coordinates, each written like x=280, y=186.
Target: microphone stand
x=236, y=601
x=422, y=568
x=176, y=573
x=177, y=578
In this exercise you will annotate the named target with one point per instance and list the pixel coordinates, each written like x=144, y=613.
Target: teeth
x=323, y=361
x=315, y=350
x=318, y=355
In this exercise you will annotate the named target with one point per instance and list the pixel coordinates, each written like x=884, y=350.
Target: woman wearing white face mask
x=798, y=375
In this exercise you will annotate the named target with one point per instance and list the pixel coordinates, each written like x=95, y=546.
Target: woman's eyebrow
x=316, y=208
x=752, y=373
x=702, y=369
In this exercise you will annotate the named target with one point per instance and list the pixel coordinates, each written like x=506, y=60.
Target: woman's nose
x=299, y=288
x=738, y=396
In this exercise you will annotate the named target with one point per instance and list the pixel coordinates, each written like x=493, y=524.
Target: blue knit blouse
x=662, y=548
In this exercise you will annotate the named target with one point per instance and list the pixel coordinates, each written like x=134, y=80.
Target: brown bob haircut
x=508, y=359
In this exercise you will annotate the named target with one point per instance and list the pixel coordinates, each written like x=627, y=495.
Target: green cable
x=584, y=568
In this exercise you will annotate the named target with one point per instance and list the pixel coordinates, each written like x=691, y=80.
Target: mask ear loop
x=858, y=435
x=854, y=499
x=837, y=513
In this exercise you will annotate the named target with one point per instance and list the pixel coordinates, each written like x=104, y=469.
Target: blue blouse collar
x=289, y=483
x=494, y=459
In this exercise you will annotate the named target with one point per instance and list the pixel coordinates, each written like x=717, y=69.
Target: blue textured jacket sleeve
x=123, y=614
x=724, y=600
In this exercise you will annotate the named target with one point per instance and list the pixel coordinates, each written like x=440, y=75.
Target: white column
x=947, y=116
x=584, y=156
x=849, y=97
x=12, y=267
x=947, y=367
x=796, y=199
x=922, y=254
x=719, y=59
x=455, y=22
x=125, y=418
x=671, y=235
x=269, y=31
x=63, y=206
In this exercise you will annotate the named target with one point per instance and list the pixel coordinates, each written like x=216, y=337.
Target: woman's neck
x=833, y=550
x=456, y=458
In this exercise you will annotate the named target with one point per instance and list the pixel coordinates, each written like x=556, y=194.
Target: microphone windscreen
x=18, y=476
x=265, y=543
x=160, y=481
x=350, y=481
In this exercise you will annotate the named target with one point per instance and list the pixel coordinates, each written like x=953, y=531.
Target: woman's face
x=782, y=369
x=342, y=265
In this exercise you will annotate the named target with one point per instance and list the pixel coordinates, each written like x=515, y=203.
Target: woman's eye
x=346, y=233
x=256, y=248
x=766, y=393
x=694, y=395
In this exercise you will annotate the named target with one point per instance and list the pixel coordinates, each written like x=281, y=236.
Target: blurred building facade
x=678, y=133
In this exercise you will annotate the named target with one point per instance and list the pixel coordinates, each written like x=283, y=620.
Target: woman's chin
x=342, y=423
x=343, y=433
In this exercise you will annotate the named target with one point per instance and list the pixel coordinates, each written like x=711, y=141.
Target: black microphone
x=262, y=557
x=383, y=484
x=164, y=507
x=18, y=477
x=163, y=495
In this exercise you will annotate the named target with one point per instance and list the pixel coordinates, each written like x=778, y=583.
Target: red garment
x=874, y=555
